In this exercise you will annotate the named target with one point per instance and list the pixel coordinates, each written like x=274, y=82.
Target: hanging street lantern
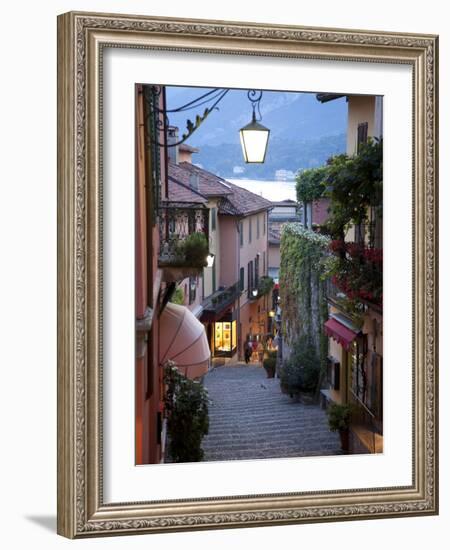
x=254, y=136
x=210, y=259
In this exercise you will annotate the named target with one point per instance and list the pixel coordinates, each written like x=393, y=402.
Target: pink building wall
x=229, y=269
x=249, y=250
x=252, y=316
x=253, y=313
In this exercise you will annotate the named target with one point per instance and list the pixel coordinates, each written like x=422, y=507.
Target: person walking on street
x=247, y=352
x=260, y=350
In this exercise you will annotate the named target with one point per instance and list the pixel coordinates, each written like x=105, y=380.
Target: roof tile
x=234, y=200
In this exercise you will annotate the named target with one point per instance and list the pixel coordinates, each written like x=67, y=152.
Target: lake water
x=270, y=190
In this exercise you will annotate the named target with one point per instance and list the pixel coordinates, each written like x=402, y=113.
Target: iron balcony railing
x=181, y=224
x=353, y=309
x=264, y=286
x=334, y=294
x=222, y=298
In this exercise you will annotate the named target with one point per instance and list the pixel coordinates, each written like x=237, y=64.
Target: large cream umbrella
x=182, y=339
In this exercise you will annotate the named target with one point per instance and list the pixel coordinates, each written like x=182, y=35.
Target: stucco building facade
x=235, y=303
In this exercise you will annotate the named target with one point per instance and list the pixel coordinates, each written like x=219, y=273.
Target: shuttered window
x=363, y=128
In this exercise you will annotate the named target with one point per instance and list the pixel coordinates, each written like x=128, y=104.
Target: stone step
x=250, y=418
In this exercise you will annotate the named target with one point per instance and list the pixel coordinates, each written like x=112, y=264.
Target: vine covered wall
x=302, y=287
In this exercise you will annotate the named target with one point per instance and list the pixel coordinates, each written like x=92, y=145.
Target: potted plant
x=270, y=363
x=290, y=378
x=195, y=249
x=339, y=417
x=300, y=373
x=186, y=407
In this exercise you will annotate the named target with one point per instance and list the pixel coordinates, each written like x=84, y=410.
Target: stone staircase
x=250, y=418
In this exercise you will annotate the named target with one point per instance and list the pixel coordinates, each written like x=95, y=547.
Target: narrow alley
x=251, y=418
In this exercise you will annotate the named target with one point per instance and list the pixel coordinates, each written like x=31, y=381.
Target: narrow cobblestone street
x=251, y=418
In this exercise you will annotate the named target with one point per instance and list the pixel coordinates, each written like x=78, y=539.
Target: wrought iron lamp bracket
x=161, y=119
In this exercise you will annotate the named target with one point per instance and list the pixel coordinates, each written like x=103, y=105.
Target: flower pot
x=270, y=373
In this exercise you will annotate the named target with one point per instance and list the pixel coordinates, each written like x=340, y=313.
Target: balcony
x=354, y=303
x=352, y=309
x=183, y=235
x=219, y=301
x=264, y=286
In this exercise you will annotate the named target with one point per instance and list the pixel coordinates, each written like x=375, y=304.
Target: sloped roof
x=286, y=202
x=245, y=202
x=183, y=193
x=233, y=200
x=209, y=185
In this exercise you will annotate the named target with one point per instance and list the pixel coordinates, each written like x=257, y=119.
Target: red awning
x=339, y=332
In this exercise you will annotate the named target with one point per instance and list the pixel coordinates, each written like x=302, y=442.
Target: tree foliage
x=311, y=184
x=354, y=183
x=356, y=192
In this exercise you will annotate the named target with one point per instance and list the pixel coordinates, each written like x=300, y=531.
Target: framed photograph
x=247, y=285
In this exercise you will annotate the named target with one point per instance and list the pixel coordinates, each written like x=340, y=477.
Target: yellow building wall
x=360, y=109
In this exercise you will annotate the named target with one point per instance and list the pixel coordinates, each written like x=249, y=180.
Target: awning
x=182, y=339
x=339, y=332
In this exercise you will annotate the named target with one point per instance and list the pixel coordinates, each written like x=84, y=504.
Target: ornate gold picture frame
x=82, y=39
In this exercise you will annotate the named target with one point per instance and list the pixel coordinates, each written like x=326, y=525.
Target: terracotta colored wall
x=141, y=223
x=147, y=286
x=251, y=321
x=141, y=284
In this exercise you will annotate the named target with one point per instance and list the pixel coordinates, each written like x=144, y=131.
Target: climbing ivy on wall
x=302, y=286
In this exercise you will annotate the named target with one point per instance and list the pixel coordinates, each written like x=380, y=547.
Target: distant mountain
x=289, y=115
x=303, y=132
x=226, y=159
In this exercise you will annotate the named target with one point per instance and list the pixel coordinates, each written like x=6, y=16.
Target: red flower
x=338, y=245
x=355, y=249
x=374, y=255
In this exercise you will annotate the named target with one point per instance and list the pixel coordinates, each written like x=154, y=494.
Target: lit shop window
x=225, y=336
